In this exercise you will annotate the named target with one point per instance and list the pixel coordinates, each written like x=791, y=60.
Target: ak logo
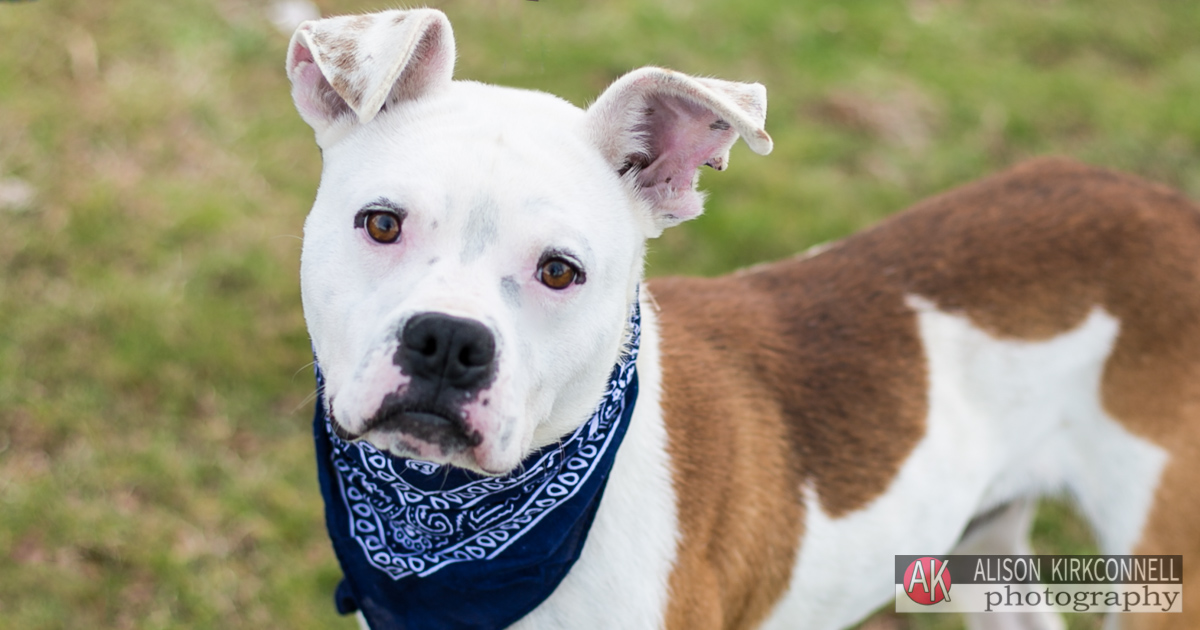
x=927, y=581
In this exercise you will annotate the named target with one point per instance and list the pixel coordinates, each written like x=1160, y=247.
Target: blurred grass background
x=155, y=458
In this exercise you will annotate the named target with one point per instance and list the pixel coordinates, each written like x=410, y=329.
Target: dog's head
x=472, y=253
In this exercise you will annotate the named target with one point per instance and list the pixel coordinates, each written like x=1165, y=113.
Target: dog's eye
x=557, y=273
x=383, y=226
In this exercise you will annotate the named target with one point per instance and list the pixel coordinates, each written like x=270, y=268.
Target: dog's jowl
x=514, y=429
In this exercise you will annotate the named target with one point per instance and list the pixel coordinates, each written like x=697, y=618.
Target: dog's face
x=472, y=253
x=464, y=281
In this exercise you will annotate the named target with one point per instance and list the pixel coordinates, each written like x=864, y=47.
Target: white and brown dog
x=798, y=423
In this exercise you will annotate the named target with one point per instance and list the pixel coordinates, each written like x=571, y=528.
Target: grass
x=155, y=462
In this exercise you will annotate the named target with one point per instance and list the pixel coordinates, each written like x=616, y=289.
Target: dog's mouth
x=431, y=424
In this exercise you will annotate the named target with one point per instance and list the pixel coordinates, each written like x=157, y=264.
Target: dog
x=472, y=280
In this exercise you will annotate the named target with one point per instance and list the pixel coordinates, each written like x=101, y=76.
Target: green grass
x=155, y=465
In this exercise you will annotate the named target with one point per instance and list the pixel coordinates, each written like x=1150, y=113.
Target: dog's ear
x=657, y=127
x=358, y=64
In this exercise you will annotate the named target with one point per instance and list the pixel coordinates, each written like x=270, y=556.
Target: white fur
x=1008, y=420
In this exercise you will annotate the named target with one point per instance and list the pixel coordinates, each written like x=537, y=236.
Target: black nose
x=449, y=352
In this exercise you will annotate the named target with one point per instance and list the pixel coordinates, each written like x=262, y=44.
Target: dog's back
x=1034, y=332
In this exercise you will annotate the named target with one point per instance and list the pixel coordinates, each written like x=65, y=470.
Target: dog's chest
x=621, y=577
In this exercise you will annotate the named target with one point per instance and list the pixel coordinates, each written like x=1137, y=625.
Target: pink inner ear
x=300, y=54
x=432, y=62
x=680, y=136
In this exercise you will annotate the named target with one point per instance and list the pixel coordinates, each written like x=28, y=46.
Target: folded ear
x=656, y=127
x=360, y=64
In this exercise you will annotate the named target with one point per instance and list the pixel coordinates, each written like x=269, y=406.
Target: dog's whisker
x=308, y=400
x=302, y=368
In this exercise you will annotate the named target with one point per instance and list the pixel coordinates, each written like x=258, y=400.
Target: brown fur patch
x=360, y=23
x=342, y=53
x=345, y=55
x=729, y=475
x=810, y=371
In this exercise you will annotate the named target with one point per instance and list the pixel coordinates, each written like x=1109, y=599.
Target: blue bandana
x=430, y=547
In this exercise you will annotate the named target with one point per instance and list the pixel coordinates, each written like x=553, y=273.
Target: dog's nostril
x=430, y=347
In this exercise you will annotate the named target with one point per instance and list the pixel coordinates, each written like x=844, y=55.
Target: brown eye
x=383, y=227
x=557, y=273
